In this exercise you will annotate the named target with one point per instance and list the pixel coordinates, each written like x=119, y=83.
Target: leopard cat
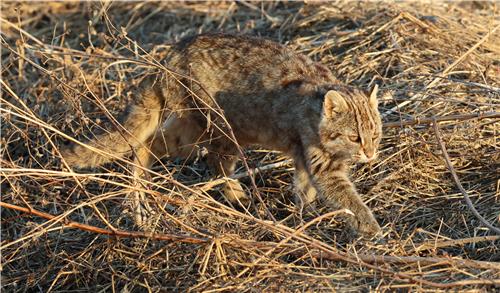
x=228, y=90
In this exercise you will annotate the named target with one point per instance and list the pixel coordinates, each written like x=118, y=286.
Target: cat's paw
x=235, y=193
x=365, y=223
x=71, y=157
x=144, y=215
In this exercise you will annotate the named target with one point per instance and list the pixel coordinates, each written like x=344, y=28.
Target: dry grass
x=73, y=67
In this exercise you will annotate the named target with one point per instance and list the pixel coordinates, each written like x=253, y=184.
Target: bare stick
x=430, y=120
x=297, y=231
x=454, y=242
x=458, y=183
x=368, y=261
x=117, y=233
x=384, y=259
x=374, y=259
x=209, y=185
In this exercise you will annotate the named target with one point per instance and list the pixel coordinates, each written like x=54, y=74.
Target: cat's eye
x=354, y=138
x=334, y=136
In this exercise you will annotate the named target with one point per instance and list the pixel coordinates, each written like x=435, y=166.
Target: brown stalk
x=430, y=120
x=458, y=183
x=116, y=233
x=407, y=260
x=428, y=245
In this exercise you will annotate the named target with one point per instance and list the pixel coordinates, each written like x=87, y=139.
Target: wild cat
x=266, y=95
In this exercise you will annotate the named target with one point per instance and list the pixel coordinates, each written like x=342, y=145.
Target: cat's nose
x=370, y=154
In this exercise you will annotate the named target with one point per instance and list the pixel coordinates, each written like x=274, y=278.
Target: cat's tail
x=140, y=123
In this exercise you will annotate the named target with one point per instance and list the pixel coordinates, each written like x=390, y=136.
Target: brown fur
x=271, y=97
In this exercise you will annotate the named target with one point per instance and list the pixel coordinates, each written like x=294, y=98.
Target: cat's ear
x=334, y=104
x=373, y=96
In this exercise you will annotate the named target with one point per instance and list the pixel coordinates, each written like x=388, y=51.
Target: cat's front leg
x=336, y=190
x=340, y=191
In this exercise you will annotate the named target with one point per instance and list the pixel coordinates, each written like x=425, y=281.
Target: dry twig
x=469, y=203
x=116, y=232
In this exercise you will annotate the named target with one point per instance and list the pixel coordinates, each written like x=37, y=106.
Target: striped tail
x=140, y=124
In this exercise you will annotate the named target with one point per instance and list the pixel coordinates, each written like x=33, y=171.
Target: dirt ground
x=69, y=68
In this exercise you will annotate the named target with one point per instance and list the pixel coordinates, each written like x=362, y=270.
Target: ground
x=68, y=68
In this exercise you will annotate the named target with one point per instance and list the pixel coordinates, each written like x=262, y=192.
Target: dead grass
x=72, y=67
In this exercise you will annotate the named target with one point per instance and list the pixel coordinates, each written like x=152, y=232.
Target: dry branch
x=430, y=120
x=290, y=233
x=459, y=184
x=360, y=259
x=408, y=260
x=117, y=233
x=454, y=242
x=252, y=172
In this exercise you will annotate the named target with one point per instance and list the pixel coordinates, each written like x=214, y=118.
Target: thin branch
x=406, y=260
x=458, y=183
x=205, y=186
x=454, y=242
x=116, y=233
x=430, y=120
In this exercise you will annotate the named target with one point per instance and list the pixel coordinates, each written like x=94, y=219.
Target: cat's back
x=243, y=64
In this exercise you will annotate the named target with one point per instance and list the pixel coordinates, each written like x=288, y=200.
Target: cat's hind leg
x=176, y=139
x=144, y=158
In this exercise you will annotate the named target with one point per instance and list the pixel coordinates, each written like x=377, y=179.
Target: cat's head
x=351, y=124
